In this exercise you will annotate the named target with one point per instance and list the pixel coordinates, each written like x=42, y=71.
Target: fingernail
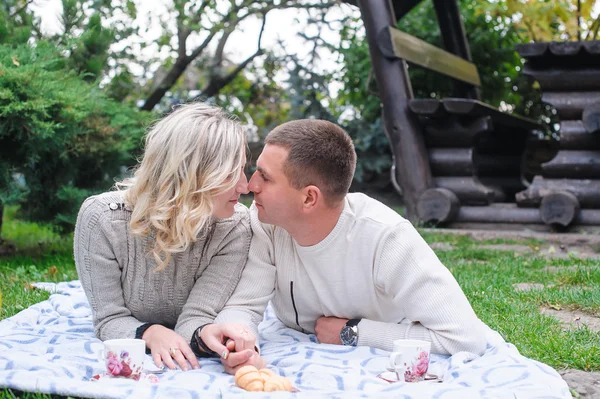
x=196, y=367
x=225, y=354
x=185, y=369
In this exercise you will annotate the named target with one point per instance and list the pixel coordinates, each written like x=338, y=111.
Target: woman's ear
x=312, y=197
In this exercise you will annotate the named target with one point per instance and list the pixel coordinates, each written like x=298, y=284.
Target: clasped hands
x=235, y=344
x=232, y=341
x=240, y=344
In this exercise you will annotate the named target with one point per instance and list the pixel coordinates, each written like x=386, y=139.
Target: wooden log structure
x=457, y=159
x=510, y=213
x=567, y=189
x=587, y=191
x=475, y=151
x=451, y=161
x=574, y=135
x=454, y=132
x=469, y=190
x=591, y=117
x=569, y=105
x=438, y=205
x=581, y=163
x=559, y=209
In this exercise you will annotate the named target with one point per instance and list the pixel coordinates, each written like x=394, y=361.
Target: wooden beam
x=402, y=128
x=464, y=106
x=584, y=190
x=451, y=161
x=498, y=213
x=574, y=136
x=509, y=213
x=559, y=209
x=394, y=43
x=570, y=105
x=453, y=34
x=403, y=7
x=578, y=164
x=438, y=205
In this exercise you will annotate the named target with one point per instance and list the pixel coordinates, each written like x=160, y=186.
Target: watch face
x=348, y=336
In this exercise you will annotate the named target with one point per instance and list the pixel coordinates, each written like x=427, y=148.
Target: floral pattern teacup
x=410, y=359
x=124, y=357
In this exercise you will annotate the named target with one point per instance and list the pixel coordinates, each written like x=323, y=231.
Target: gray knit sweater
x=116, y=271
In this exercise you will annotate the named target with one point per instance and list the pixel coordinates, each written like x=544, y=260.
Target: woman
x=159, y=258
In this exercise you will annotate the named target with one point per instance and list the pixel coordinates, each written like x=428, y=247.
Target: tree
x=548, y=20
x=212, y=21
x=65, y=137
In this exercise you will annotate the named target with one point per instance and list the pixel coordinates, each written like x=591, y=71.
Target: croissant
x=252, y=379
x=249, y=378
x=278, y=383
x=266, y=374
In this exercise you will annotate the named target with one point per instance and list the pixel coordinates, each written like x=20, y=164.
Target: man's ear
x=311, y=198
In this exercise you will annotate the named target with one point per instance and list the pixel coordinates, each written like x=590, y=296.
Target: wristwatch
x=349, y=333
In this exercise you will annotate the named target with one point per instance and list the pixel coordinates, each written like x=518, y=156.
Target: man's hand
x=328, y=329
x=239, y=348
x=169, y=347
x=235, y=362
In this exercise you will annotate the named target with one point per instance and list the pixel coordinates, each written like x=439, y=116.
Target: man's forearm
x=381, y=335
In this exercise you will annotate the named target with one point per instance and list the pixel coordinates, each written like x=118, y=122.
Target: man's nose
x=252, y=184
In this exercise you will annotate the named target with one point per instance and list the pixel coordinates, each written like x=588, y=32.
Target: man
x=343, y=266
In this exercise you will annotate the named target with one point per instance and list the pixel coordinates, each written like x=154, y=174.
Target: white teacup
x=410, y=359
x=124, y=357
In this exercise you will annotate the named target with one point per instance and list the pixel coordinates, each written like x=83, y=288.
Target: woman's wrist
x=199, y=346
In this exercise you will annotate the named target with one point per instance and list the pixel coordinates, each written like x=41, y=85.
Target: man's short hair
x=320, y=153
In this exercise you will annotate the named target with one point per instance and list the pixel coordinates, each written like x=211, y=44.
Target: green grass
x=41, y=255
x=486, y=277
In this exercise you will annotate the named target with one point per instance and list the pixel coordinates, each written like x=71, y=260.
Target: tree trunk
x=214, y=86
x=165, y=84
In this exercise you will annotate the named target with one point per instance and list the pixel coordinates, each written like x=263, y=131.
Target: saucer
x=392, y=377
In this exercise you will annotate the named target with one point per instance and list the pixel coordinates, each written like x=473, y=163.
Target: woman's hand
x=239, y=348
x=169, y=347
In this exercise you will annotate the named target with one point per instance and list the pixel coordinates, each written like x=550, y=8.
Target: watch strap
x=353, y=322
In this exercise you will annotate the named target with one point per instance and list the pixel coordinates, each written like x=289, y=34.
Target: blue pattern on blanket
x=50, y=348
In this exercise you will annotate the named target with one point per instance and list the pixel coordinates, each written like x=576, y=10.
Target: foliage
x=260, y=101
x=17, y=23
x=190, y=29
x=64, y=137
x=89, y=29
x=548, y=20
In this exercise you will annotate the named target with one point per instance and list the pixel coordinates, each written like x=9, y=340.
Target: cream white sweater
x=374, y=265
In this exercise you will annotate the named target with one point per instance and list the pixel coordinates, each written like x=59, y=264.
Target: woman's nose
x=242, y=186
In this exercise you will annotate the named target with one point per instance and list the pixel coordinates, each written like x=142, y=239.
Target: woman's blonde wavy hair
x=190, y=156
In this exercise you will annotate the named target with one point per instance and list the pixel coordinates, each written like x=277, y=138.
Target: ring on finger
x=173, y=351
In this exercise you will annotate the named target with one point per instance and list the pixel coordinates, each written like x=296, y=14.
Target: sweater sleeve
x=217, y=282
x=257, y=285
x=99, y=244
x=408, y=271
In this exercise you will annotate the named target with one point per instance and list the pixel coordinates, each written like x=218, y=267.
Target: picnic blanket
x=50, y=348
